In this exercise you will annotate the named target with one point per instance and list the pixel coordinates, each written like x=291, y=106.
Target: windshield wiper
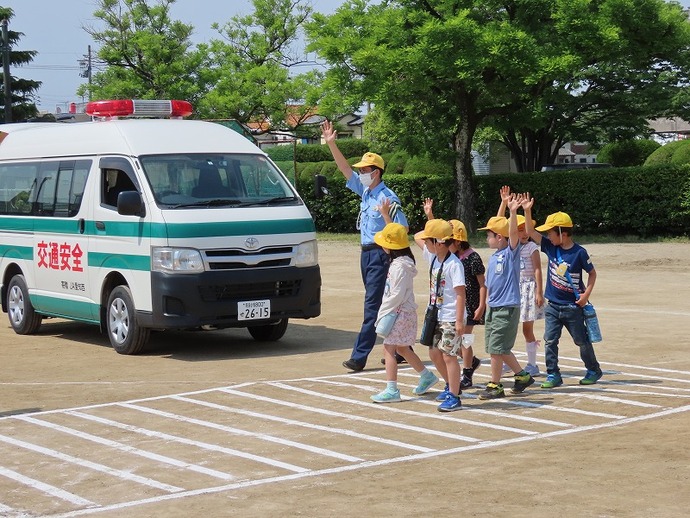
x=213, y=202
x=269, y=201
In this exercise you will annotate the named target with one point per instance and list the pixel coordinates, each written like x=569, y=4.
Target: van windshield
x=215, y=180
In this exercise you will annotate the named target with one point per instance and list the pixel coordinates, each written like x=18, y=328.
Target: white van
x=150, y=224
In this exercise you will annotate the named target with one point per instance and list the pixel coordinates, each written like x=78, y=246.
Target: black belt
x=372, y=246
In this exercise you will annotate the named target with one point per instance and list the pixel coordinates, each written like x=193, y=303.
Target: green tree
x=146, y=54
x=252, y=69
x=625, y=153
x=23, y=91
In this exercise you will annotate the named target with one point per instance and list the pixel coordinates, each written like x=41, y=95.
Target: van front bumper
x=184, y=301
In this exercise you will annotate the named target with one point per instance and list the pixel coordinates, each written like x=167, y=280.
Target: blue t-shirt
x=503, y=278
x=558, y=289
x=370, y=221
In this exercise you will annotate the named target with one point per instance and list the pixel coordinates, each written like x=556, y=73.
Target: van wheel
x=23, y=317
x=269, y=332
x=125, y=334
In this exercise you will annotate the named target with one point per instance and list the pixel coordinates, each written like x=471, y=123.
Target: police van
x=140, y=224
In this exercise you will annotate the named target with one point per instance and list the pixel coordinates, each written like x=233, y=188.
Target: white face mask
x=366, y=179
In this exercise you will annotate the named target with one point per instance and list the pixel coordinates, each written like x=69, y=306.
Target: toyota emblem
x=251, y=242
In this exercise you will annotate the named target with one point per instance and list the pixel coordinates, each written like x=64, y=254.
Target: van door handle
x=81, y=225
x=100, y=225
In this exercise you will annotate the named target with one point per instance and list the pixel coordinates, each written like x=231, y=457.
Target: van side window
x=113, y=182
x=17, y=181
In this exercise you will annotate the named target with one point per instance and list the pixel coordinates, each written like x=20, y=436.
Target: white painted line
x=124, y=475
x=369, y=464
x=5, y=510
x=616, y=400
x=351, y=417
x=52, y=491
x=390, y=408
x=311, y=426
x=183, y=440
x=130, y=449
x=245, y=433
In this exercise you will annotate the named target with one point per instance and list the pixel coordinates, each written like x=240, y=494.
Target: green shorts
x=501, y=329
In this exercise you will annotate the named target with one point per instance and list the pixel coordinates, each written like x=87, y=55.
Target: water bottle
x=592, y=323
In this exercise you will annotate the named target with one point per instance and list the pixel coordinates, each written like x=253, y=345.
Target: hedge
x=643, y=201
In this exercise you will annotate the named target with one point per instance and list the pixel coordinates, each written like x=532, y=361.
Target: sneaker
x=444, y=394
x=476, y=363
x=425, y=383
x=492, y=391
x=532, y=370
x=398, y=359
x=353, y=365
x=591, y=377
x=552, y=381
x=466, y=380
x=387, y=396
x=450, y=404
x=522, y=382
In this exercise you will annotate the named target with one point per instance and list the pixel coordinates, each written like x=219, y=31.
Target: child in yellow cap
x=503, y=313
x=398, y=297
x=565, y=291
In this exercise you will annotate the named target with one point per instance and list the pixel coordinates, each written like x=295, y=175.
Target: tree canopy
x=24, y=91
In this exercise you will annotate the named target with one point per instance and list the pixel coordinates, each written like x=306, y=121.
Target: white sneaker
x=533, y=370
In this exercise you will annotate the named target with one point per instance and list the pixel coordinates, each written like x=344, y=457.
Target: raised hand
x=527, y=202
x=514, y=202
x=505, y=194
x=327, y=131
x=428, y=204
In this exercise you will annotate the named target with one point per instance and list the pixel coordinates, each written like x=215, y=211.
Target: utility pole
x=86, y=65
x=6, y=71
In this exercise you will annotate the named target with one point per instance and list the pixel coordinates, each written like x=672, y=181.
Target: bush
x=627, y=152
x=664, y=154
x=395, y=162
x=426, y=166
x=280, y=153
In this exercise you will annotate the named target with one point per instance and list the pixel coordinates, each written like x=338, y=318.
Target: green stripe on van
x=237, y=228
x=119, y=261
x=17, y=252
x=72, y=309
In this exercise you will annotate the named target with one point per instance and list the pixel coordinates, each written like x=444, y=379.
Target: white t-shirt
x=452, y=276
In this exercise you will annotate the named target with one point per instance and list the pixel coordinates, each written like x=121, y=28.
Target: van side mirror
x=320, y=186
x=129, y=203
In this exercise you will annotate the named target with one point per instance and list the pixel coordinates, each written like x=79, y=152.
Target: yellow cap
x=557, y=219
x=393, y=236
x=459, y=230
x=371, y=160
x=437, y=229
x=497, y=225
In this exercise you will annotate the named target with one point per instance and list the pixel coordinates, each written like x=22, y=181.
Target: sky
x=53, y=28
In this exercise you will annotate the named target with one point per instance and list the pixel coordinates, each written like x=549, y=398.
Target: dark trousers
x=571, y=317
x=374, y=266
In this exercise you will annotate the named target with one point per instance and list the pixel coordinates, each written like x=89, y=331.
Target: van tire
x=124, y=332
x=269, y=332
x=23, y=318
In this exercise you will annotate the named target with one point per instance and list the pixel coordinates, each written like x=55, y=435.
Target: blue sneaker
x=387, y=396
x=444, y=394
x=451, y=404
x=425, y=383
x=552, y=381
x=591, y=377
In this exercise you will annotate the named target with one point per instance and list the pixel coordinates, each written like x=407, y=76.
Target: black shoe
x=476, y=362
x=466, y=379
x=398, y=359
x=353, y=365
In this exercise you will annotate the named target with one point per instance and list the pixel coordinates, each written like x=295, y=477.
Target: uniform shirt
x=558, y=289
x=452, y=276
x=503, y=278
x=370, y=221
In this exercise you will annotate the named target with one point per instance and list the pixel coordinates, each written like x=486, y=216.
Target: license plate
x=253, y=309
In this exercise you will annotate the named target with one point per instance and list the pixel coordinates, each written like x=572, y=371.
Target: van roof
x=133, y=137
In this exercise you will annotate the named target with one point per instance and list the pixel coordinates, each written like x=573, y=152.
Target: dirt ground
x=619, y=452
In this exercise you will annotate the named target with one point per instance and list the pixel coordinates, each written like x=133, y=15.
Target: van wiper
x=213, y=202
x=269, y=201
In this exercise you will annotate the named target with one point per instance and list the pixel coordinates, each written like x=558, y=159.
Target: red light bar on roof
x=138, y=108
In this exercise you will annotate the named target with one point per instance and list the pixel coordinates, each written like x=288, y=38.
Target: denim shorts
x=501, y=329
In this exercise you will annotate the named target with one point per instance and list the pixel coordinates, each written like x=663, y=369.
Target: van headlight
x=307, y=254
x=176, y=260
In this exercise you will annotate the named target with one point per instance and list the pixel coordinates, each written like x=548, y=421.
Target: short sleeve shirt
x=370, y=220
x=452, y=276
x=503, y=278
x=558, y=288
